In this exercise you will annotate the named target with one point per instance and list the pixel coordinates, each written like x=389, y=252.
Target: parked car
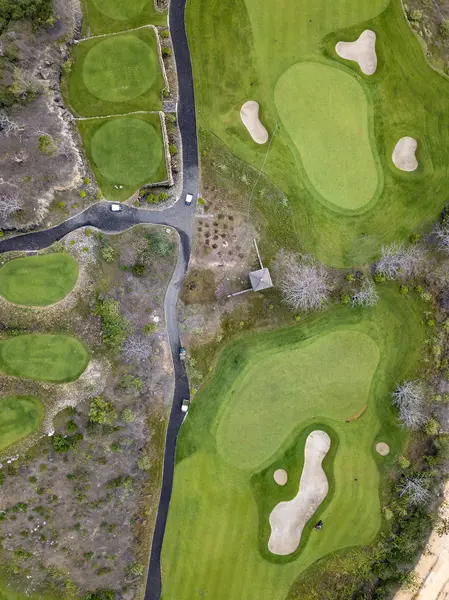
x=115, y=207
x=182, y=353
x=185, y=405
x=189, y=199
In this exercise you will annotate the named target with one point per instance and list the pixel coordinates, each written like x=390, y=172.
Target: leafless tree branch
x=409, y=399
x=304, y=283
x=400, y=261
x=366, y=296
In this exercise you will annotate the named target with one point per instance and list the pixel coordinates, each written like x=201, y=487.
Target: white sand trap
x=288, y=519
x=280, y=476
x=249, y=113
x=382, y=448
x=362, y=51
x=404, y=154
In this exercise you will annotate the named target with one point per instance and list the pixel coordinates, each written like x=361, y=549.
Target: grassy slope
x=214, y=513
x=55, y=358
x=116, y=75
x=246, y=47
x=122, y=151
x=38, y=280
x=139, y=12
x=19, y=416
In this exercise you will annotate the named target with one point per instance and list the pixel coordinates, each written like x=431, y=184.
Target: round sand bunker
x=249, y=113
x=382, y=448
x=404, y=154
x=362, y=51
x=280, y=476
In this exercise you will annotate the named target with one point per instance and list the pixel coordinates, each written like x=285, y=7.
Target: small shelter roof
x=261, y=279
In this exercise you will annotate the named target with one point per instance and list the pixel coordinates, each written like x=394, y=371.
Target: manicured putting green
x=19, y=416
x=268, y=391
x=325, y=112
x=303, y=390
x=120, y=10
x=120, y=68
x=127, y=151
x=55, y=358
x=38, y=280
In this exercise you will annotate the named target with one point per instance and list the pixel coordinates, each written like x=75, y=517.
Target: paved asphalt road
x=180, y=217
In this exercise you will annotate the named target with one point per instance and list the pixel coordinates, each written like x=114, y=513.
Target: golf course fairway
x=332, y=129
x=269, y=391
x=19, y=416
x=44, y=357
x=38, y=280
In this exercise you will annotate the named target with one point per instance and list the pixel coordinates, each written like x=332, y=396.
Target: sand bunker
x=362, y=51
x=382, y=448
x=404, y=154
x=249, y=113
x=280, y=476
x=288, y=519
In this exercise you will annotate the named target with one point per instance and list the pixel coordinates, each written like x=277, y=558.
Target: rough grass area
x=108, y=16
x=125, y=152
x=116, y=75
x=19, y=416
x=55, y=358
x=38, y=280
x=247, y=46
x=212, y=493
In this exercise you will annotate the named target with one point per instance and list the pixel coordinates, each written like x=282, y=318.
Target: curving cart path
x=181, y=218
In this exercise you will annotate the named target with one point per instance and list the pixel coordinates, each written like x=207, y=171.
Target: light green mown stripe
x=109, y=16
x=38, y=280
x=55, y=358
x=303, y=389
x=119, y=10
x=19, y=416
x=220, y=512
x=325, y=111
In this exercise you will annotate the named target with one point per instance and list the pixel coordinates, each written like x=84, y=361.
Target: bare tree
x=415, y=491
x=409, y=399
x=8, y=126
x=366, y=296
x=304, y=282
x=137, y=347
x=9, y=204
x=442, y=235
x=400, y=261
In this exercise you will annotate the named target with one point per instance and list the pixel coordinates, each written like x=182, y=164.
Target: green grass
x=38, y=280
x=346, y=174
x=245, y=50
x=116, y=75
x=126, y=151
x=54, y=358
x=268, y=391
x=109, y=16
x=19, y=416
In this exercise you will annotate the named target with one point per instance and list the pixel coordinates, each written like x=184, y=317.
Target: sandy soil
x=433, y=567
x=288, y=519
x=382, y=448
x=404, y=154
x=362, y=51
x=280, y=476
x=249, y=113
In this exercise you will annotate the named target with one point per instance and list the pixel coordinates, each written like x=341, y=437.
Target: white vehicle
x=115, y=207
x=189, y=198
x=185, y=405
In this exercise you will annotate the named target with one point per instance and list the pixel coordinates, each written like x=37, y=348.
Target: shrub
x=83, y=194
x=100, y=595
x=416, y=16
x=170, y=118
x=159, y=244
x=149, y=328
x=345, y=298
x=138, y=270
x=415, y=237
x=403, y=462
x=86, y=181
x=133, y=383
x=71, y=426
x=152, y=199
x=144, y=462
x=163, y=196
x=47, y=145
x=201, y=201
x=350, y=277
x=2, y=477
x=165, y=33
x=136, y=569
x=403, y=289
x=107, y=253
x=172, y=149
x=114, y=325
x=67, y=66
x=166, y=92
x=127, y=415
x=379, y=278
x=61, y=204
x=101, y=411
x=63, y=443
x=444, y=27
x=432, y=427
x=165, y=51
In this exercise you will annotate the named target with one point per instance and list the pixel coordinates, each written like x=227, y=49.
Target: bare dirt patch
x=288, y=519
x=249, y=113
x=280, y=476
x=382, y=448
x=362, y=51
x=404, y=157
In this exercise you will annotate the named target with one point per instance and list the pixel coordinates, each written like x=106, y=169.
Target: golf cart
x=185, y=405
x=182, y=353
